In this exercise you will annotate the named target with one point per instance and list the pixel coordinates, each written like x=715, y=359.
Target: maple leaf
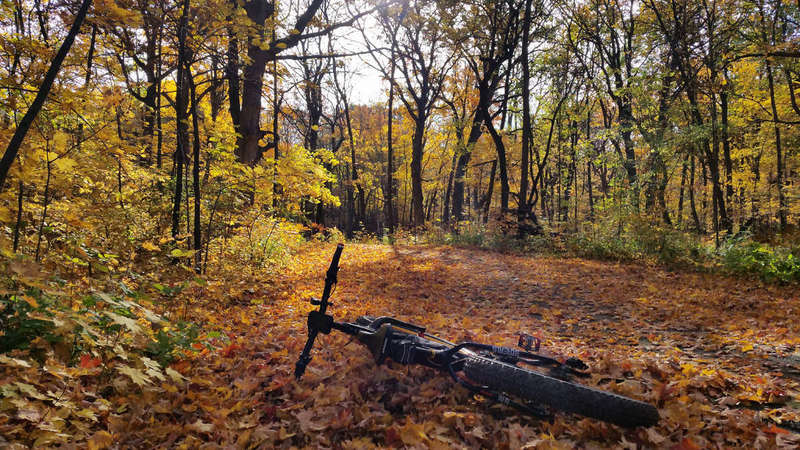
x=136, y=375
x=129, y=323
x=307, y=423
x=149, y=246
x=89, y=362
x=201, y=427
x=100, y=440
x=413, y=434
x=14, y=362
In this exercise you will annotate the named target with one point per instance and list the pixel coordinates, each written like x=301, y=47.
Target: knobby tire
x=558, y=394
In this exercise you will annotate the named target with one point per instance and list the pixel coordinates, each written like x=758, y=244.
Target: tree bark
x=417, y=145
x=198, y=233
x=181, y=116
x=523, y=209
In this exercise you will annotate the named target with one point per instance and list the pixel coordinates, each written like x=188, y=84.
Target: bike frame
x=407, y=343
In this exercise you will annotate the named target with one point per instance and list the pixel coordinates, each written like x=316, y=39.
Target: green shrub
x=169, y=341
x=771, y=264
x=25, y=316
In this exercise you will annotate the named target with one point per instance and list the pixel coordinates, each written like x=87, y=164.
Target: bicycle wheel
x=559, y=394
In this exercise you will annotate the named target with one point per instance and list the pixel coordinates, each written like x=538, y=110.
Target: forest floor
x=719, y=357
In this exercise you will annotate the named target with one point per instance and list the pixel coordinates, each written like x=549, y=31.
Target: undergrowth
x=638, y=241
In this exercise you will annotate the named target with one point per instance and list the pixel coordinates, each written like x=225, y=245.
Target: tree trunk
x=461, y=165
x=198, y=234
x=726, y=146
x=699, y=228
x=388, y=193
x=501, y=162
x=181, y=116
x=18, y=222
x=682, y=190
x=417, y=144
x=778, y=149
x=488, y=202
x=523, y=208
x=448, y=194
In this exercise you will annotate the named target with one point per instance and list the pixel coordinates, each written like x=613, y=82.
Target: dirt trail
x=718, y=356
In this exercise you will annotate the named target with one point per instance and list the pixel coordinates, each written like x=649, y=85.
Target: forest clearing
x=718, y=356
x=617, y=181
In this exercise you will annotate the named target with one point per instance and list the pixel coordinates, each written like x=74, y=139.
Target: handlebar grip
x=334, y=267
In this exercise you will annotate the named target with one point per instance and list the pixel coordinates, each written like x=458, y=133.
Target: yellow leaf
x=174, y=374
x=747, y=348
x=149, y=246
x=5, y=214
x=100, y=440
x=30, y=300
x=413, y=434
x=136, y=375
x=13, y=362
x=280, y=45
x=178, y=253
x=201, y=427
x=124, y=321
x=64, y=164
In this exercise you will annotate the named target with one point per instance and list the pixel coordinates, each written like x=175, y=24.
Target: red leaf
x=88, y=362
x=686, y=444
x=230, y=350
x=772, y=429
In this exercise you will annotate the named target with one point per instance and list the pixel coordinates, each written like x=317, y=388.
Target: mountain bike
x=498, y=374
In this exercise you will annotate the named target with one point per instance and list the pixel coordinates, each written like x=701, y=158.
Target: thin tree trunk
x=726, y=147
x=682, y=190
x=523, y=209
x=501, y=161
x=46, y=201
x=276, y=188
x=159, y=131
x=448, y=194
x=699, y=228
x=388, y=193
x=490, y=192
x=18, y=223
x=778, y=149
x=462, y=163
x=198, y=233
x=589, y=166
x=417, y=143
x=180, y=112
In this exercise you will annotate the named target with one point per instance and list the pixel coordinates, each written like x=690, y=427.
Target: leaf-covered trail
x=720, y=357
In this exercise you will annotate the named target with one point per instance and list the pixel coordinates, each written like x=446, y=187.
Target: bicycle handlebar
x=318, y=320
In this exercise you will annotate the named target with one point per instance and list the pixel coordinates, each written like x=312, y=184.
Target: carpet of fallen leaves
x=719, y=357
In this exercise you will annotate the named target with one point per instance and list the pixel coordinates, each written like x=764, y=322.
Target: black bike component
x=378, y=322
x=528, y=342
x=330, y=281
x=320, y=322
x=317, y=302
x=576, y=363
x=559, y=394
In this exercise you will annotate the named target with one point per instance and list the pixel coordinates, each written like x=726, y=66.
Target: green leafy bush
x=25, y=316
x=772, y=264
x=169, y=341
